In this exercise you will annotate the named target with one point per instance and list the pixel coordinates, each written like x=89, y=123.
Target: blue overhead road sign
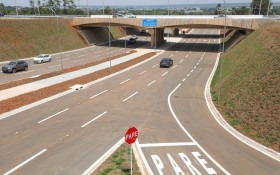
x=149, y=22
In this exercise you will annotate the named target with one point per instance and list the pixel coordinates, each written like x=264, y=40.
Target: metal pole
x=268, y=8
x=110, y=42
x=103, y=6
x=58, y=33
x=222, y=58
x=168, y=30
x=260, y=7
x=87, y=9
x=16, y=7
x=125, y=36
x=131, y=159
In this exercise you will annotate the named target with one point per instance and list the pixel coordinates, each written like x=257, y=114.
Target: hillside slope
x=250, y=98
x=27, y=38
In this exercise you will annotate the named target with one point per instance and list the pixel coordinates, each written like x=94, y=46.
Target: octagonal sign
x=131, y=135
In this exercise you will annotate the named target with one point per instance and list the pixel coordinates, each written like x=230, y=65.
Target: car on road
x=166, y=62
x=130, y=15
x=143, y=32
x=42, y=58
x=119, y=15
x=131, y=41
x=134, y=36
x=14, y=66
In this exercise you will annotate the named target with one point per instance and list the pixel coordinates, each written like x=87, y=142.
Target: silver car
x=42, y=58
x=14, y=66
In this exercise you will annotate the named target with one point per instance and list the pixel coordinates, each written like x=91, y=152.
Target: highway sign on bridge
x=149, y=22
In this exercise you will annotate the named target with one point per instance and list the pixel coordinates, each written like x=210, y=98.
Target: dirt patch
x=31, y=97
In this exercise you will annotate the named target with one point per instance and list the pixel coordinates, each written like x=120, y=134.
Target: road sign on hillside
x=131, y=135
x=149, y=22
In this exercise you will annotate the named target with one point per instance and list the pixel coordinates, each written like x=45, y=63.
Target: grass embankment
x=118, y=163
x=250, y=98
x=28, y=38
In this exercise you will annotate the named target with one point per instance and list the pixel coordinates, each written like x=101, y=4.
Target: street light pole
x=58, y=33
x=110, y=42
x=16, y=7
x=87, y=9
x=103, y=6
x=168, y=30
x=222, y=58
x=268, y=7
x=260, y=7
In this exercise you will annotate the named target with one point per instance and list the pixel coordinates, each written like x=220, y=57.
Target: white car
x=134, y=36
x=42, y=58
x=130, y=15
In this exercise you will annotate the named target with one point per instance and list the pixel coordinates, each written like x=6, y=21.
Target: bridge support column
x=175, y=32
x=159, y=39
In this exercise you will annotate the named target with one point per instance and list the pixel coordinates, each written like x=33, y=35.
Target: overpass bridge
x=246, y=23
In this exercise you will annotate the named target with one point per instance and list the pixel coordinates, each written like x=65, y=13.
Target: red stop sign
x=131, y=135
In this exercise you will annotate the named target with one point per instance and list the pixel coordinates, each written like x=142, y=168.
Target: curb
x=222, y=122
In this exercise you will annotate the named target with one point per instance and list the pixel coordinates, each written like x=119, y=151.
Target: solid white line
x=184, y=79
x=104, y=157
x=53, y=115
x=155, y=66
x=125, y=81
x=189, y=135
x=151, y=83
x=130, y=96
x=174, y=67
x=164, y=74
x=167, y=144
x=54, y=66
x=142, y=72
x=25, y=162
x=98, y=94
x=94, y=119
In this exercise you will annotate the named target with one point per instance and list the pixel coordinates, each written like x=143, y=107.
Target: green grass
x=250, y=86
x=118, y=163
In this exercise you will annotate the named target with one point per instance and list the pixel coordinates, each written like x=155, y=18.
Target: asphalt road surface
x=74, y=58
x=177, y=133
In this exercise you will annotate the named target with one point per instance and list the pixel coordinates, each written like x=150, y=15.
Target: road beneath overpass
x=177, y=133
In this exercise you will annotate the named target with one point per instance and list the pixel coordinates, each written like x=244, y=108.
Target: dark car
x=131, y=41
x=14, y=66
x=166, y=62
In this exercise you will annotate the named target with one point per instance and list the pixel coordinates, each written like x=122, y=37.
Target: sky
x=132, y=2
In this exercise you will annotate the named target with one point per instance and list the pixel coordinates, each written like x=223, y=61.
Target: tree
x=260, y=6
x=32, y=5
x=107, y=10
x=218, y=9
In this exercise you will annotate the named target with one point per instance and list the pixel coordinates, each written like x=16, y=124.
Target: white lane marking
x=184, y=79
x=174, y=67
x=54, y=66
x=151, y=83
x=171, y=55
x=187, y=56
x=188, y=75
x=64, y=59
x=197, y=63
x=98, y=94
x=125, y=81
x=35, y=76
x=24, y=72
x=78, y=60
x=25, y=162
x=181, y=60
x=145, y=145
x=94, y=119
x=155, y=66
x=142, y=72
x=189, y=135
x=53, y=115
x=191, y=70
x=164, y=74
x=130, y=96
x=199, y=60
x=82, y=55
x=194, y=67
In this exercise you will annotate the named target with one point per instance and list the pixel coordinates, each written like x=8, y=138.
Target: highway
x=177, y=133
x=74, y=58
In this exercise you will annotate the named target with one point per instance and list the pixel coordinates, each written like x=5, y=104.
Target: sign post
x=130, y=136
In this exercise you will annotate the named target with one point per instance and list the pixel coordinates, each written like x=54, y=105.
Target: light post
x=103, y=6
x=110, y=41
x=260, y=7
x=168, y=30
x=223, y=53
x=268, y=7
x=58, y=34
x=16, y=7
x=87, y=9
